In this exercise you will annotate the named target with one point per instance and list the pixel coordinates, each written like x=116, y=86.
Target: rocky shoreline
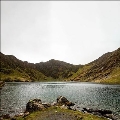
x=62, y=103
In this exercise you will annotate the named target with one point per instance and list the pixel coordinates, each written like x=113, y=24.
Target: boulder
x=34, y=105
x=63, y=101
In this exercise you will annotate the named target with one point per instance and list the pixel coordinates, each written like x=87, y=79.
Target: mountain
x=105, y=69
x=57, y=69
x=13, y=69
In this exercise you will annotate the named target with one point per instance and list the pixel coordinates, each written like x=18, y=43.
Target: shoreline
x=62, y=108
x=91, y=109
x=2, y=83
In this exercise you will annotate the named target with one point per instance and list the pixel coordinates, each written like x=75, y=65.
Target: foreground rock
x=63, y=101
x=35, y=105
x=57, y=111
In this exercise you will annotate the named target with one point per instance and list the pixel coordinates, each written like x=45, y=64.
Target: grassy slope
x=105, y=69
x=81, y=71
x=114, y=78
x=13, y=69
x=23, y=76
x=51, y=114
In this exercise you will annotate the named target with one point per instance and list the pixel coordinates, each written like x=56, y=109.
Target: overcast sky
x=76, y=32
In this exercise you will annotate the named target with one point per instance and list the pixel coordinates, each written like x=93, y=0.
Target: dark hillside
x=57, y=69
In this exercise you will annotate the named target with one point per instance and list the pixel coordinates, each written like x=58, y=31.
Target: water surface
x=14, y=96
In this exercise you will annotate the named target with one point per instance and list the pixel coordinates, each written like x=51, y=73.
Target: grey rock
x=34, y=105
x=63, y=101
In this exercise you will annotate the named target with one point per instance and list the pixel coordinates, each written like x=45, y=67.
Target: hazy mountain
x=105, y=69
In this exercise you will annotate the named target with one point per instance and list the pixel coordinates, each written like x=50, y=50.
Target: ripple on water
x=14, y=96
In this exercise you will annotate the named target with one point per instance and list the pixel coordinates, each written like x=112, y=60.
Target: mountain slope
x=57, y=69
x=13, y=69
x=105, y=69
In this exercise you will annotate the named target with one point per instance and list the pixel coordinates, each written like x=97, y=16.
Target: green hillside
x=105, y=69
x=13, y=69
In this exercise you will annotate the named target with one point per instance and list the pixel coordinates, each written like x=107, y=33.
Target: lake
x=15, y=95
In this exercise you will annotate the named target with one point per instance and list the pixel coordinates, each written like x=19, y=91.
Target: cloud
x=73, y=31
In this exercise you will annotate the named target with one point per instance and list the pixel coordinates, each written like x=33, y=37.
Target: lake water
x=14, y=96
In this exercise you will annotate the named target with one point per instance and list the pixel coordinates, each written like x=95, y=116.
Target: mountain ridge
x=104, y=69
x=101, y=68
x=13, y=68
